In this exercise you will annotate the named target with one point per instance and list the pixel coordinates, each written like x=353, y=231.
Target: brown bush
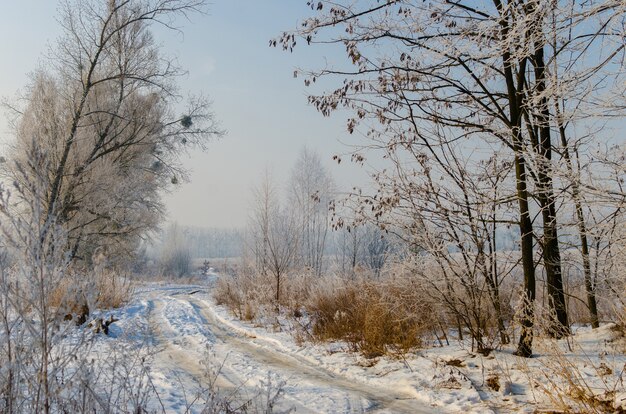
x=373, y=318
x=102, y=289
x=226, y=294
x=60, y=295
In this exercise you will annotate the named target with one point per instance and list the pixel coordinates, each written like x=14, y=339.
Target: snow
x=420, y=378
x=195, y=345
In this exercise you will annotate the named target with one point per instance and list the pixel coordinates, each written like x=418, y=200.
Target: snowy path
x=186, y=328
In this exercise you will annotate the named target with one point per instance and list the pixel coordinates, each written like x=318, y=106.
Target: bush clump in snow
x=375, y=319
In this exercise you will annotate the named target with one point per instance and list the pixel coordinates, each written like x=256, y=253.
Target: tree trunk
x=514, y=86
x=524, y=347
x=551, y=252
x=589, y=285
x=277, y=289
x=582, y=228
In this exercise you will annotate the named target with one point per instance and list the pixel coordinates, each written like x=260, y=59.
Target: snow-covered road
x=188, y=333
x=181, y=345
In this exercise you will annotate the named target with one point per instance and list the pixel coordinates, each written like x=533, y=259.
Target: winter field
x=200, y=358
x=312, y=206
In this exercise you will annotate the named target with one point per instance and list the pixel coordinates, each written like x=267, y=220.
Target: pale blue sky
x=255, y=97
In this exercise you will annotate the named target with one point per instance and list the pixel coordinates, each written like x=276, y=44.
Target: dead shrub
x=76, y=294
x=374, y=319
x=250, y=295
x=296, y=289
x=247, y=295
x=111, y=289
x=227, y=294
x=69, y=299
x=60, y=293
x=386, y=316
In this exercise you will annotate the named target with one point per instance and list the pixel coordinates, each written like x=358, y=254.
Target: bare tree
x=175, y=252
x=467, y=78
x=310, y=192
x=449, y=207
x=347, y=248
x=573, y=97
x=30, y=330
x=274, y=234
x=376, y=248
x=104, y=110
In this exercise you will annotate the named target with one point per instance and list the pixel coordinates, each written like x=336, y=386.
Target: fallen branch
x=100, y=326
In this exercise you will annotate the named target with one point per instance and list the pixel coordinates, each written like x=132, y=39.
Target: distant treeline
x=209, y=242
x=215, y=242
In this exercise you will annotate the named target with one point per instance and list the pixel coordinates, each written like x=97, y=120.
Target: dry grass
x=386, y=316
x=375, y=319
x=112, y=290
x=619, y=341
x=569, y=390
x=76, y=293
x=573, y=377
x=245, y=295
x=226, y=293
x=250, y=295
x=62, y=294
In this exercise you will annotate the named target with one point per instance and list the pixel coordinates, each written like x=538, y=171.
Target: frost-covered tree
x=310, y=192
x=363, y=244
x=480, y=76
x=175, y=255
x=105, y=111
x=32, y=352
x=274, y=234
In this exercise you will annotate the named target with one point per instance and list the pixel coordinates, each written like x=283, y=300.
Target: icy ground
x=196, y=345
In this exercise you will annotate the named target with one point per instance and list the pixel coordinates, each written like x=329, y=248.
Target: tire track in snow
x=379, y=400
x=180, y=354
x=184, y=358
x=174, y=313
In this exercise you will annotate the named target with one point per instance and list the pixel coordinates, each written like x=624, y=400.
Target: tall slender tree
x=310, y=194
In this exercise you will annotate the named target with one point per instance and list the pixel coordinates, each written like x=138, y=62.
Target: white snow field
x=196, y=345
